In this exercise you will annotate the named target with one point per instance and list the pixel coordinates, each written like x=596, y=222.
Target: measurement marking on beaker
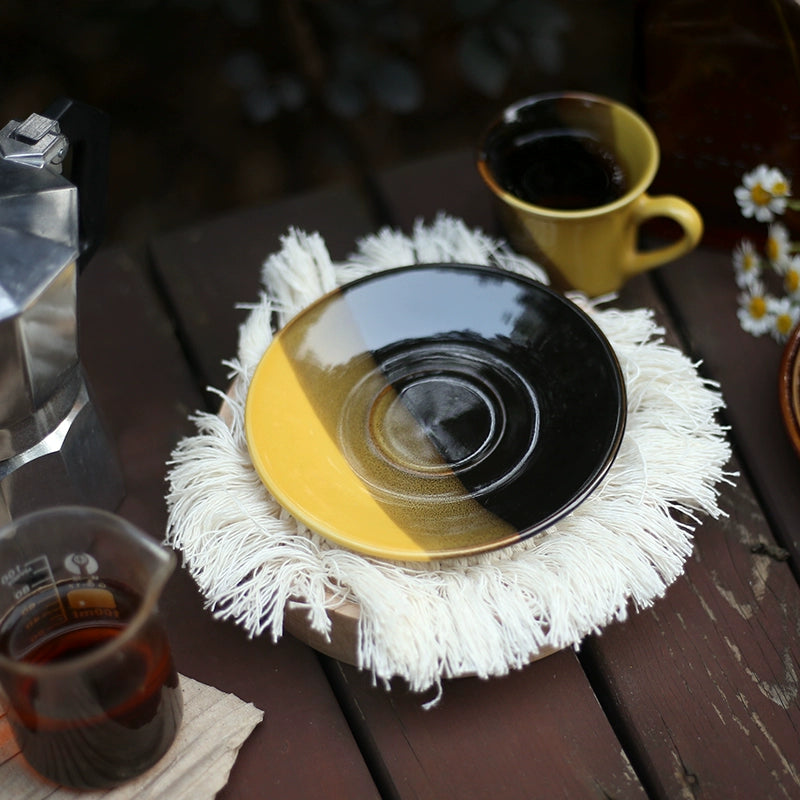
x=40, y=575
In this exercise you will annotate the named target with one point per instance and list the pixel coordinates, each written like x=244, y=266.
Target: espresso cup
x=570, y=173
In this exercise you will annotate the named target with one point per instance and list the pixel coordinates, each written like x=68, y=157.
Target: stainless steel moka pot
x=53, y=447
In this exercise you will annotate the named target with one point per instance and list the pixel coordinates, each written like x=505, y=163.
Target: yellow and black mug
x=570, y=172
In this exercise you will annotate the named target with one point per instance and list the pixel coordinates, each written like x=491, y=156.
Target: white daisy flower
x=790, y=271
x=777, y=246
x=753, y=312
x=746, y=263
x=784, y=315
x=763, y=193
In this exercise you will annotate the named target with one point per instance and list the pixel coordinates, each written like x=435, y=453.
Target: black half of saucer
x=515, y=386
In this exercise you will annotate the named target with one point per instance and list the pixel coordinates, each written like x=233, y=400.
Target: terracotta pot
x=789, y=387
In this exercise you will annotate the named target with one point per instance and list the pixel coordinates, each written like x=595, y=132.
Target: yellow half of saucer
x=317, y=424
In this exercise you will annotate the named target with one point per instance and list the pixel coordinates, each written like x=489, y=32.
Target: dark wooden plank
x=137, y=374
x=704, y=685
x=747, y=368
x=447, y=183
x=144, y=389
x=209, y=268
x=535, y=734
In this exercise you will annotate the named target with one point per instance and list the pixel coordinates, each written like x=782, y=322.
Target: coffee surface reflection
x=568, y=170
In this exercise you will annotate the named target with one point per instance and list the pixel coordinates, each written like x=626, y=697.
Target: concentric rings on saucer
x=435, y=411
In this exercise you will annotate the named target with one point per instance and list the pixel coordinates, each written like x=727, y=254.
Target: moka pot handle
x=88, y=131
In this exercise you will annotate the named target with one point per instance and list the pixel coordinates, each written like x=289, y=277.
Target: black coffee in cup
x=564, y=170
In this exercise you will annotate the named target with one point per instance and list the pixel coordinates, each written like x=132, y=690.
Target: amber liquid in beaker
x=103, y=724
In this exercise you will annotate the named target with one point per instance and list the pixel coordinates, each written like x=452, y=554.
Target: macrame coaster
x=482, y=615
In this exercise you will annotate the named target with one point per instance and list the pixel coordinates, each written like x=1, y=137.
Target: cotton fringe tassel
x=482, y=615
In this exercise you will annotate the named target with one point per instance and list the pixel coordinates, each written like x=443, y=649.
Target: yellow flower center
x=783, y=323
x=748, y=262
x=759, y=195
x=780, y=188
x=772, y=248
x=792, y=281
x=758, y=307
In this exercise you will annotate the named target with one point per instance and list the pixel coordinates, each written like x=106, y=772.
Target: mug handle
x=676, y=209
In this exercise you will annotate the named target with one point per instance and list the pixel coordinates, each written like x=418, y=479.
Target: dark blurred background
x=216, y=104
x=219, y=104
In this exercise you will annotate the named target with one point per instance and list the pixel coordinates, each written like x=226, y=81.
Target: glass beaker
x=85, y=666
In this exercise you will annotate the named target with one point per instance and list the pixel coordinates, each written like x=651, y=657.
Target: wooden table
x=696, y=697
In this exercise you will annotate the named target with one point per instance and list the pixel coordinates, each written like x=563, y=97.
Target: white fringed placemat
x=482, y=615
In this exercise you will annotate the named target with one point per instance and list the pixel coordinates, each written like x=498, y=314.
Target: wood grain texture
x=704, y=683
x=703, y=289
x=536, y=734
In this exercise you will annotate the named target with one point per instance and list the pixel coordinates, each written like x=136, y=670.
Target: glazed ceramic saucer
x=435, y=411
